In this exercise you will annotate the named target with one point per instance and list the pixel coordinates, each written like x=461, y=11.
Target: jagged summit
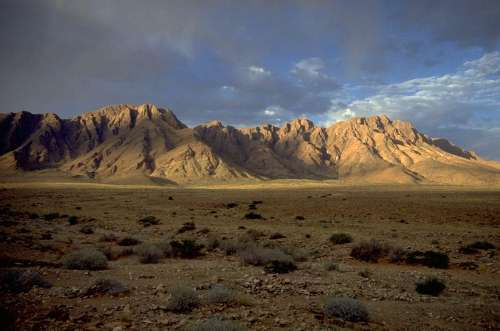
x=146, y=141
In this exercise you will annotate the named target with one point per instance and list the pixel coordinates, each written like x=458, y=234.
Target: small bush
x=106, y=286
x=231, y=205
x=398, y=255
x=108, y=237
x=274, y=260
x=221, y=294
x=430, y=286
x=217, y=324
x=149, y=253
x=212, y=243
x=474, y=247
x=72, y=220
x=148, y=221
x=347, y=309
x=369, y=251
x=280, y=266
x=300, y=218
x=87, y=229
x=276, y=235
x=17, y=281
x=231, y=247
x=129, y=241
x=340, y=238
x=85, y=259
x=51, y=216
x=298, y=254
x=251, y=235
x=183, y=299
x=365, y=273
x=430, y=259
x=188, y=226
x=186, y=249
x=331, y=266
x=253, y=216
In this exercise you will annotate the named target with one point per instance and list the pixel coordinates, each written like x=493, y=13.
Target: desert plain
x=43, y=222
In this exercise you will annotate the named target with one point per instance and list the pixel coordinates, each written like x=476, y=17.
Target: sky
x=434, y=63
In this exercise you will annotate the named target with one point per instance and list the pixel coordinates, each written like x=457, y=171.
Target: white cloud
x=468, y=99
x=257, y=72
x=274, y=110
x=311, y=68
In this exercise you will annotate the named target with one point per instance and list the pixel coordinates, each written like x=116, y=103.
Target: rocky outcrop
x=124, y=141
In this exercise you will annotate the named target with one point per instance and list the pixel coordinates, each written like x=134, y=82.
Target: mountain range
x=126, y=142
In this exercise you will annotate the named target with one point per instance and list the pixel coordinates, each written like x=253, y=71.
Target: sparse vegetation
x=148, y=221
x=475, y=247
x=340, y=238
x=370, y=251
x=430, y=286
x=212, y=243
x=72, y=220
x=106, y=286
x=187, y=249
x=253, y=216
x=17, y=281
x=276, y=235
x=331, y=266
x=430, y=259
x=85, y=259
x=221, y=294
x=274, y=260
x=128, y=241
x=188, y=226
x=149, y=253
x=108, y=237
x=347, y=309
x=183, y=299
x=51, y=216
x=217, y=324
x=87, y=229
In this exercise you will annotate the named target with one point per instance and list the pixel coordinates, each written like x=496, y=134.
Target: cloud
x=257, y=72
x=467, y=100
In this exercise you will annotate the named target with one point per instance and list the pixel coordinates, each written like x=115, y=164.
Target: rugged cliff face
x=124, y=141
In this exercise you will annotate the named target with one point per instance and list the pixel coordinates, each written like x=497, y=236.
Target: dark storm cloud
x=244, y=62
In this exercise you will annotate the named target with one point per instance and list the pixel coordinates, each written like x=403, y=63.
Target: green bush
x=149, y=253
x=186, y=249
x=85, y=259
x=221, y=294
x=347, y=309
x=340, y=238
x=370, y=251
x=183, y=299
x=430, y=286
x=430, y=259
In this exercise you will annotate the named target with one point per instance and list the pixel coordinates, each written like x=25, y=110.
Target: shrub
x=298, y=254
x=87, y=229
x=253, y=216
x=231, y=205
x=72, y=220
x=365, y=273
x=212, y=243
x=474, y=247
x=85, y=259
x=280, y=266
x=129, y=241
x=148, y=221
x=369, y=251
x=274, y=260
x=331, y=266
x=149, y=253
x=18, y=281
x=340, y=238
x=108, y=237
x=251, y=235
x=398, y=255
x=429, y=258
x=186, y=249
x=347, y=309
x=276, y=235
x=183, y=299
x=430, y=286
x=299, y=218
x=106, y=286
x=188, y=226
x=232, y=247
x=217, y=324
x=51, y=216
x=221, y=294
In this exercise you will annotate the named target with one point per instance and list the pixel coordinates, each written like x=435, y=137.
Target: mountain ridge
x=128, y=141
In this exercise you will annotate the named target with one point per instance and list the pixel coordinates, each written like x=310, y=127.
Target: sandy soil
x=436, y=218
